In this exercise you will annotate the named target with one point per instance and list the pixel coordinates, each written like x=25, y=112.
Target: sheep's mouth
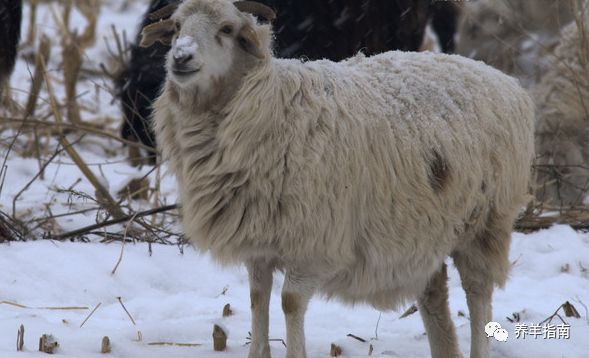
x=184, y=72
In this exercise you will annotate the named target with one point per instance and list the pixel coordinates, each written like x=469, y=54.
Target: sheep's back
x=437, y=131
x=410, y=154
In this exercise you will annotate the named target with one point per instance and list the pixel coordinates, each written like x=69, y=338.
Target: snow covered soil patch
x=177, y=298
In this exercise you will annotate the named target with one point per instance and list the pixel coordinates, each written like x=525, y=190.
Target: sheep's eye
x=226, y=29
x=177, y=25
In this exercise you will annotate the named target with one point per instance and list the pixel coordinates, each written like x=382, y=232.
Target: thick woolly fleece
x=368, y=172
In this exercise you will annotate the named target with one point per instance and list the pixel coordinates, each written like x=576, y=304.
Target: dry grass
x=47, y=344
x=105, y=346
x=43, y=308
x=46, y=127
x=569, y=311
x=44, y=119
x=542, y=216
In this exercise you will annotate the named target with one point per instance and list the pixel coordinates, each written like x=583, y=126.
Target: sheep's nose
x=181, y=59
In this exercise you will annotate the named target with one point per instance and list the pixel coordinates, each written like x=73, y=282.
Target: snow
x=174, y=297
x=176, y=294
x=185, y=46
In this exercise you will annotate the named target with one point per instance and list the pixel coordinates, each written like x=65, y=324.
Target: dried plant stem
x=174, y=344
x=6, y=231
x=121, y=255
x=219, y=339
x=227, y=310
x=47, y=344
x=71, y=68
x=105, y=346
x=13, y=304
x=31, y=33
x=125, y=308
x=542, y=217
x=43, y=308
x=31, y=122
x=578, y=13
x=90, y=9
x=103, y=196
x=122, y=250
x=120, y=56
x=158, y=180
x=357, y=338
x=62, y=308
x=20, y=338
x=91, y=313
x=377, y=324
x=335, y=351
x=39, y=173
x=38, y=74
x=137, y=215
x=569, y=310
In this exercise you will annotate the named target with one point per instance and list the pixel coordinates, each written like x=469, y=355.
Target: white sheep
x=512, y=35
x=357, y=178
x=562, y=129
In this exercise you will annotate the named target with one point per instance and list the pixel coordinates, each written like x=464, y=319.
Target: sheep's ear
x=249, y=42
x=162, y=31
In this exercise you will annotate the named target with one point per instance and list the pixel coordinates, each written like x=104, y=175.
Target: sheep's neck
x=205, y=102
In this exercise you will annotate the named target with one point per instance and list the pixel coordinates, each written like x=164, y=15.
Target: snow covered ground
x=178, y=298
x=176, y=295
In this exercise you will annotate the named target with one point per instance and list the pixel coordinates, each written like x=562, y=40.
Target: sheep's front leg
x=260, y=278
x=297, y=291
x=435, y=313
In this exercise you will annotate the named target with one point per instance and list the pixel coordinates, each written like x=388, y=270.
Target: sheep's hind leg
x=260, y=278
x=481, y=264
x=297, y=291
x=479, y=290
x=435, y=313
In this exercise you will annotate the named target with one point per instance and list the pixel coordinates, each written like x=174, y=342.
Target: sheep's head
x=211, y=40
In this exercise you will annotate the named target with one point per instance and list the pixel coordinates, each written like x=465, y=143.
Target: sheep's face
x=211, y=41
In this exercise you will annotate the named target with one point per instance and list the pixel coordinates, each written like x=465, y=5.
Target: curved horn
x=165, y=11
x=256, y=8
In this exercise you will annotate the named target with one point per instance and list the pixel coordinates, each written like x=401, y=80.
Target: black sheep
x=10, y=19
x=337, y=29
x=138, y=85
x=331, y=29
